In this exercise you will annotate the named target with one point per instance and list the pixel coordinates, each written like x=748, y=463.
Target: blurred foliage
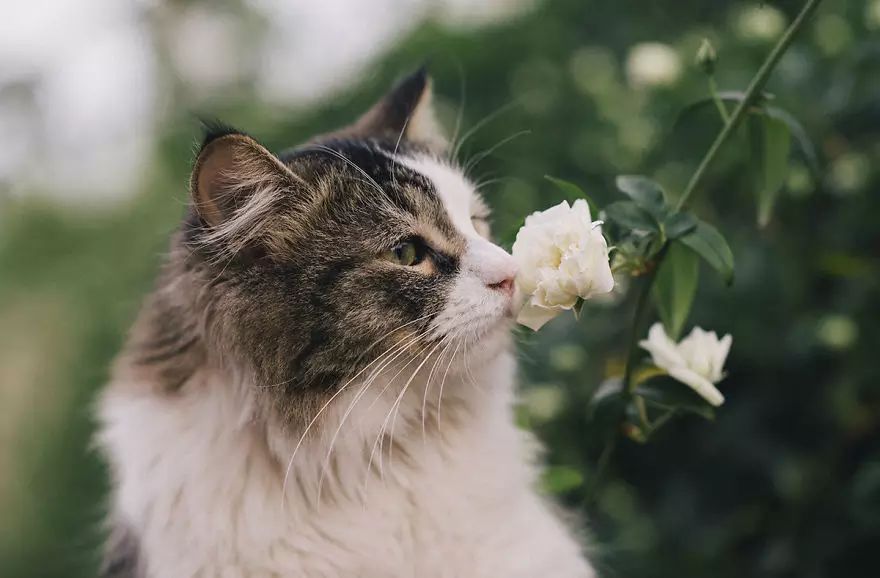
x=784, y=483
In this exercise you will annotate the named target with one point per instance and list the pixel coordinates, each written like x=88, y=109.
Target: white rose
x=562, y=256
x=697, y=360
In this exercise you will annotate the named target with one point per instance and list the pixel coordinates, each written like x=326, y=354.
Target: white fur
x=214, y=488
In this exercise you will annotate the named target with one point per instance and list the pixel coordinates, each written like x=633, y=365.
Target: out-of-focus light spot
x=849, y=173
x=872, y=15
x=832, y=34
x=568, y=357
x=799, y=182
x=837, y=331
x=760, y=23
x=653, y=64
x=18, y=130
x=543, y=402
x=101, y=150
x=206, y=49
x=593, y=69
x=536, y=84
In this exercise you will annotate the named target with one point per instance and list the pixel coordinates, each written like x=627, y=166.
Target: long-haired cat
x=321, y=383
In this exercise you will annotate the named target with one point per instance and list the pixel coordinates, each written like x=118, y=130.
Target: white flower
x=562, y=256
x=652, y=64
x=697, y=360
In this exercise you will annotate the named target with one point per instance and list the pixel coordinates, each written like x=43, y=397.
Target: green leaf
x=709, y=244
x=573, y=193
x=735, y=96
x=770, y=142
x=630, y=216
x=799, y=133
x=561, y=479
x=666, y=393
x=646, y=193
x=675, y=287
x=679, y=224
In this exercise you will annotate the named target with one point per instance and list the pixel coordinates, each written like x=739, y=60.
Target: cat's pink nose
x=505, y=286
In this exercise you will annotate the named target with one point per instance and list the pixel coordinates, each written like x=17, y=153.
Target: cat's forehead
x=397, y=176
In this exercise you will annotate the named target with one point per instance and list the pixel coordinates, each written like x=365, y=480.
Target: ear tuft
x=212, y=129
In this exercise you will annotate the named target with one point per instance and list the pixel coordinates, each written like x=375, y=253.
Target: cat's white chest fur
x=200, y=483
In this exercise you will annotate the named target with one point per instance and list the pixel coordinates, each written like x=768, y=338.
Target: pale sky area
x=81, y=98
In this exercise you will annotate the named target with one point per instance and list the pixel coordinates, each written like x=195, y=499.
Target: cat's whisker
x=396, y=406
x=382, y=431
x=477, y=158
x=443, y=381
x=354, y=402
x=480, y=124
x=428, y=384
x=337, y=393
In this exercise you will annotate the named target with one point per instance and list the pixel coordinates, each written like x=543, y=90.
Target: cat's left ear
x=406, y=113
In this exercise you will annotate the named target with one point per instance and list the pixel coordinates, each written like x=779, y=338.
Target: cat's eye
x=407, y=253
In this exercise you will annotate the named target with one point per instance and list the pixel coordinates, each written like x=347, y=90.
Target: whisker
x=351, y=406
x=476, y=159
x=339, y=391
x=481, y=123
x=443, y=381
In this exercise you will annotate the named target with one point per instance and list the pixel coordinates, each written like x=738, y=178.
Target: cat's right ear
x=237, y=179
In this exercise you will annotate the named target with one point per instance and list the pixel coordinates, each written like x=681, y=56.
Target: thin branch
x=752, y=92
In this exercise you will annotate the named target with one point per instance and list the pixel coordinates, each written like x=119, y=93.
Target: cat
x=321, y=383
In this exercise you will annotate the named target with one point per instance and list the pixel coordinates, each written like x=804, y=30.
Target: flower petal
x=535, y=316
x=698, y=383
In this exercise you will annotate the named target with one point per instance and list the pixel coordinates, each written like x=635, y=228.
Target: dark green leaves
x=629, y=215
x=561, y=479
x=770, y=142
x=675, y=287
x=679, y=224
x=709, y=244
x=645, y=193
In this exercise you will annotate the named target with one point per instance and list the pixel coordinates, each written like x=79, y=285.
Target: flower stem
x=719, y=104
x=752, y=92
x=730, y=124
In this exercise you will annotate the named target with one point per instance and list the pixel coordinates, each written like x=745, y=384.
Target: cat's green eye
x=407, y=253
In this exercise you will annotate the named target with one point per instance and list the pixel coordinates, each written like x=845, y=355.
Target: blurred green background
x=785, y=482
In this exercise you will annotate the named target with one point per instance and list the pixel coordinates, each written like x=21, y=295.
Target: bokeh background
x=98, y=108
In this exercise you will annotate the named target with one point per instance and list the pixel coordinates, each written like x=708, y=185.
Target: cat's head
x=365, y=242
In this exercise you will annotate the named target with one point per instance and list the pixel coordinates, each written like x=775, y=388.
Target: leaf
x=675, y=287
x=679, y=224
x=573, y=193
x=666, y=393
x=709, y=244
x=646, y=193
x=630, y=216
x=799, y=133
x=770, y=142
x=725, y=96
x=561, y=479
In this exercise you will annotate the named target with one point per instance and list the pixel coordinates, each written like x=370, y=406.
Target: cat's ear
x=406, y=112
x=236, y=179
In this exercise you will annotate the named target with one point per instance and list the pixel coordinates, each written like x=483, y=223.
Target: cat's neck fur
x=207, y=485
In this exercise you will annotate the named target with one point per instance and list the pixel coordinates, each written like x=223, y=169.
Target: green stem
x=754, y=88
x=752, y=92
x=719, y=104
